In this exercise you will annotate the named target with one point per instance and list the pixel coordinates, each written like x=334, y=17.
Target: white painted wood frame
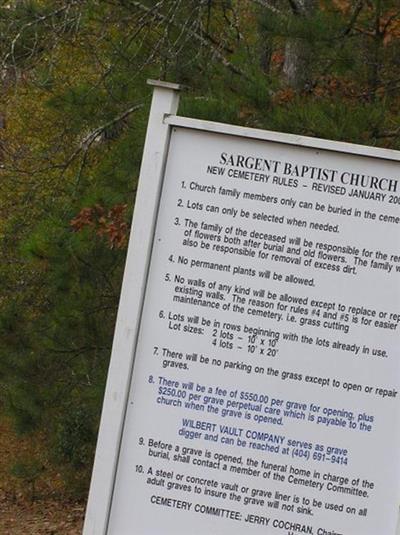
x=165, y=101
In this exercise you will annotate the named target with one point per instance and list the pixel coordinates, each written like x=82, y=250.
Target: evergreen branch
x=77, y=350
x=388, y=134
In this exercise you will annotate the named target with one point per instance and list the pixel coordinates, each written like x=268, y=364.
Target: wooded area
x=73, y=112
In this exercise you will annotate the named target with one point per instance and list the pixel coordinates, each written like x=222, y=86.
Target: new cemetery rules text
x=265, y=390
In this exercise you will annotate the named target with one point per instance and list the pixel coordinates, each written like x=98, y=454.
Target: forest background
x=73, y=110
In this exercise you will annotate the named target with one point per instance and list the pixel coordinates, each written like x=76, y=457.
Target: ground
x=44, y=517
x=50, y=512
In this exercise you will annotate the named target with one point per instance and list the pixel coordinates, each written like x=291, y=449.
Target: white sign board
x=265, y=392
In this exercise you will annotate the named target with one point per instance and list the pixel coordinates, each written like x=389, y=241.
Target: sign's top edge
x=165, y=85
x=278, y=137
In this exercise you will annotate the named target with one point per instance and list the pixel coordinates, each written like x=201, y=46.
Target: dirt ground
x=51, y=513
x=41, y=518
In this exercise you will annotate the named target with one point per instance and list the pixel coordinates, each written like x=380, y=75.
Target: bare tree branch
x=34, y=22
x=268, y=5
x=92, y=136
x=357, y=10
x=200, y=38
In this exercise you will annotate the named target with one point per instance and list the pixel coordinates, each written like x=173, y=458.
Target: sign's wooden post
x=165, y=102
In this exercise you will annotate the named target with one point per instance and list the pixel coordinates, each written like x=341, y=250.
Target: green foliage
x=71, y=155
x=328, y=119
x=27, y=471
x=76, y=436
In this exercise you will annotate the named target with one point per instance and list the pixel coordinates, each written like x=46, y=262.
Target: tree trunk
x=298, y=51
x=375, y=55
x=266, y=43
